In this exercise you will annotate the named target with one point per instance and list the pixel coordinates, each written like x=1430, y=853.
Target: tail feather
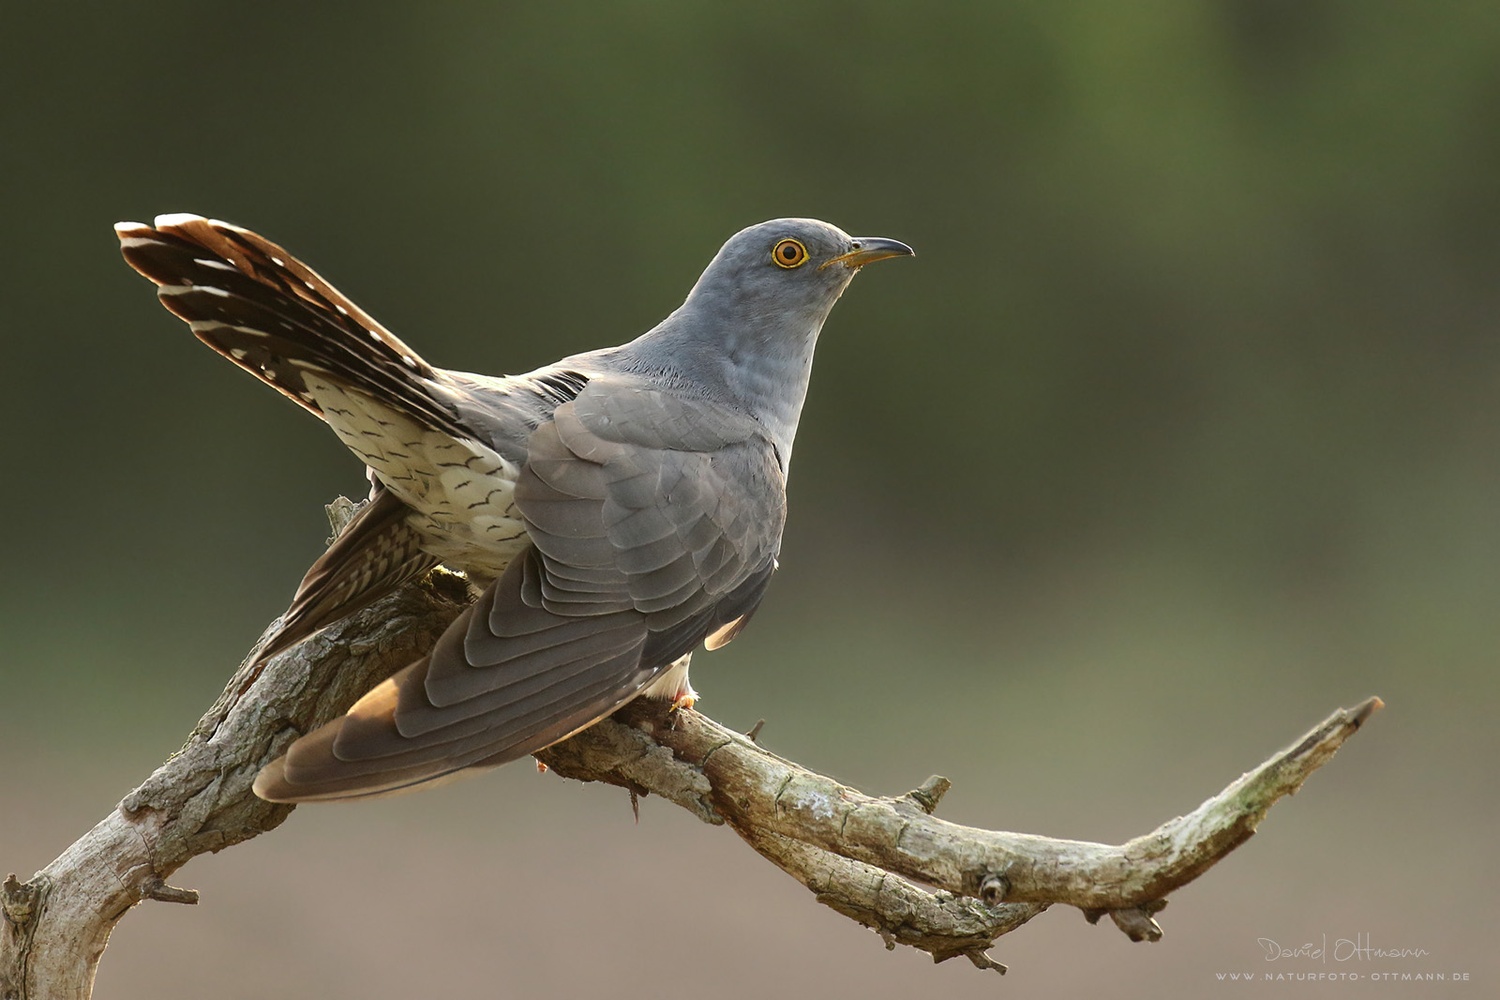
x=278, y=319
x=375, y=554
x=275, y=317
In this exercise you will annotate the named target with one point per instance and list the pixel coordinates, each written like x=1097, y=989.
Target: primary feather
x=618, y=508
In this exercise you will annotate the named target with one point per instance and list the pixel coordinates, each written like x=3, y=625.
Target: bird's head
x=791, y=270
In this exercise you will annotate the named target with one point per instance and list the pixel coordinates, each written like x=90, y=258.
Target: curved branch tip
x=887, y=863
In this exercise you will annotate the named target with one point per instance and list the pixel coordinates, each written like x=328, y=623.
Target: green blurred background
x=1181, y=431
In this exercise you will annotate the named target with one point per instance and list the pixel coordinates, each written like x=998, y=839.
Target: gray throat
x=757, y=363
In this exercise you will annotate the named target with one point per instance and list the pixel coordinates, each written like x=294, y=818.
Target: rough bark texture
x=946, y=889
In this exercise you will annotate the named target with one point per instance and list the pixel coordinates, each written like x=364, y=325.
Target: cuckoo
x=614, y=510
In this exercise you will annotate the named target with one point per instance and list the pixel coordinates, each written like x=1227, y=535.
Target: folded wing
x=654, y=523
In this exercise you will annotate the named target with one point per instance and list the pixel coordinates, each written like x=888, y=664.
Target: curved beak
x=868, y=249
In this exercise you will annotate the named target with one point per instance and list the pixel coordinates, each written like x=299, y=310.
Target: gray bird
x=618, y=508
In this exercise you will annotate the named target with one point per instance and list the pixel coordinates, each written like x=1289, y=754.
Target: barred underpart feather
x=618, y=508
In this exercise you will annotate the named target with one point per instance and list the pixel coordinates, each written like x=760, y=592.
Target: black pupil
x=789, y=252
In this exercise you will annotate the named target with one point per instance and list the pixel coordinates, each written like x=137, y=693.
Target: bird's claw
x=682, y=703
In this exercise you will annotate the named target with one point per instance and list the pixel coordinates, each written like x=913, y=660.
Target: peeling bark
x=888, y=863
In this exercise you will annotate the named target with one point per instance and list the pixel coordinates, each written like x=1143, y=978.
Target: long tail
x=272, y=315
x=275, y=317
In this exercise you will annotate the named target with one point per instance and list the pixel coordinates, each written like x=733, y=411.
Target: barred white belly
x=462, y=491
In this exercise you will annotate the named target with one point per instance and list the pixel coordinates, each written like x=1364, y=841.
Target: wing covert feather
x=655, y=522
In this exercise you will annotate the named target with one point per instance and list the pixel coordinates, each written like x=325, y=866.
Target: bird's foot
x=682, y=703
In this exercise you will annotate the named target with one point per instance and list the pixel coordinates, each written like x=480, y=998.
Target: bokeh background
x=1181, y=431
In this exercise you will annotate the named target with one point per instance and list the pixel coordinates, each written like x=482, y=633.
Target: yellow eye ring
x=789, y=253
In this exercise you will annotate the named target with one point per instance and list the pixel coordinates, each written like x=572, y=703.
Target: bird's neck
x=754, y=362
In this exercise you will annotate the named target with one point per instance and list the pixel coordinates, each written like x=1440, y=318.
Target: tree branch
x=946, y=889
x=866, y=856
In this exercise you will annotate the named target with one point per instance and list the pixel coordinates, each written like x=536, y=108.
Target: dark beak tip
x=895, y=247
x=868, y=249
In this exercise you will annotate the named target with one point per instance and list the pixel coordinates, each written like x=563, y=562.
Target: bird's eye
x=789, y=253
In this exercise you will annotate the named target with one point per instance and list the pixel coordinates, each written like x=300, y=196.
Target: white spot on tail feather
x=176, y=219
x=200, y=325
x=184, y=289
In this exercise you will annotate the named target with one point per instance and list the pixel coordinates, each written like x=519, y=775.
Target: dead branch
x=888, y=863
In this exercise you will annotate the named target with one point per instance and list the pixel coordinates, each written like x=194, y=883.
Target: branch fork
x=888, y=863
